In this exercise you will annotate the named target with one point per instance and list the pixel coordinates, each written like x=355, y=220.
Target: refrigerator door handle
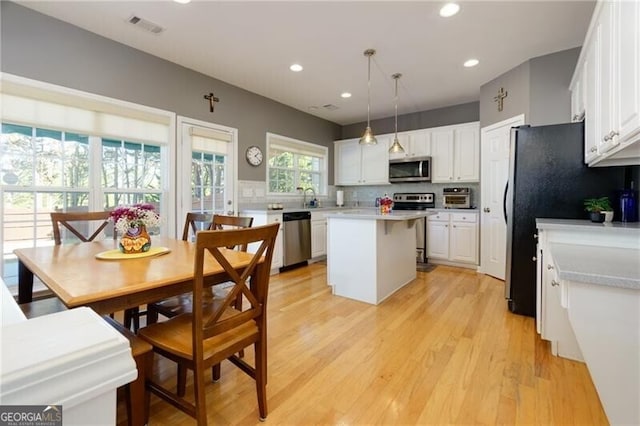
x=504, y=202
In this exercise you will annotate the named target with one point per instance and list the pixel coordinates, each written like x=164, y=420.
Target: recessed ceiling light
x=182, y=1
x=296, y=68
x=449, y=9
x=345, y=95
x=471, y=63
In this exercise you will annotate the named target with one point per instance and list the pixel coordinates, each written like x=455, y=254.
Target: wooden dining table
x=74, y=274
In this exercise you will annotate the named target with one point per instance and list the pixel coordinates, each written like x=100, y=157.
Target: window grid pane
x=294, y=164
x=43, y=170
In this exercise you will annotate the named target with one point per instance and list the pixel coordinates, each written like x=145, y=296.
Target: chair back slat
x=196, y=222
x=73, y=220
x=221, y=222
x=212, y=245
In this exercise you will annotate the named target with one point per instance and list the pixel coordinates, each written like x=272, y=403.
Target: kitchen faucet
x=304, y=195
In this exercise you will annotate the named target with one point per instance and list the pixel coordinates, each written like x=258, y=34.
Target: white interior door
x=207, y=172
x=495, y=174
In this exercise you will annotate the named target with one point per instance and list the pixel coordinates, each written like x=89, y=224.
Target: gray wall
x=550, y=97
x=516, y=83
x=46, y=49
x=463, y=113
x=537, y=88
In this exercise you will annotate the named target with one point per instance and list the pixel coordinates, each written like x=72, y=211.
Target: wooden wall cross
x=211, y=98
x=500, y=98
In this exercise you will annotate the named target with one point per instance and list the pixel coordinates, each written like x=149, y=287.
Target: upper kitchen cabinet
x=607, y=79
x=455, y=153
x=357, y=164
x=415, y=143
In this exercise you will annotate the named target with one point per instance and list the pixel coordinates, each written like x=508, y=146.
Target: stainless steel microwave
x=414, y=169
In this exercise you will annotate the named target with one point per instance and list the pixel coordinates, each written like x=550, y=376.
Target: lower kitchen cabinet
x=318, y=234
x=260, y=219
x=553, y=324
x=453, y=237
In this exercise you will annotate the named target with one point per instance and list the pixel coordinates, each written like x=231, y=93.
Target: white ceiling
x=252, y=44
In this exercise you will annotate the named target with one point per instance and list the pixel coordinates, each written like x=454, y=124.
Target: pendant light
x=396, y=147
x=368, y=138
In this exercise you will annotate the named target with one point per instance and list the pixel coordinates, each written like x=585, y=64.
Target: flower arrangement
x=386, y=204
x=128, y=217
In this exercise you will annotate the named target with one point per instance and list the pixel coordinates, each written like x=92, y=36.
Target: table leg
x=25, y=284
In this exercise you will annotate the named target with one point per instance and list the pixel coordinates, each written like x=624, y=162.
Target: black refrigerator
x=547, y=179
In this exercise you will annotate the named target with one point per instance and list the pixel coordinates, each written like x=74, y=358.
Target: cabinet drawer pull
x=549, y=267
x=554, y=283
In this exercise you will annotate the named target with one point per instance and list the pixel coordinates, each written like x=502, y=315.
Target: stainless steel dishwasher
x=297, y=237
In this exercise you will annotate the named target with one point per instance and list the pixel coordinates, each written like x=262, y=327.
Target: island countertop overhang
x=374, y=215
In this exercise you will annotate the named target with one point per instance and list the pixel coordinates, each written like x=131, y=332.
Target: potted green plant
x=597, y=208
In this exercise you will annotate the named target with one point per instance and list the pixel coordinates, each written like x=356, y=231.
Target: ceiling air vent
x=330, y=107
x=143, y=24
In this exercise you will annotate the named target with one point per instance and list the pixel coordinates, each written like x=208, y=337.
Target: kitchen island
x=589, y=305
x=371, y=255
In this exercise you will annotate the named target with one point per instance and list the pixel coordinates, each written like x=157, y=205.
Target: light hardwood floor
x=442, y=350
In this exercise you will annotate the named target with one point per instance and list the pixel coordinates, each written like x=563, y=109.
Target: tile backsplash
x=253, y=194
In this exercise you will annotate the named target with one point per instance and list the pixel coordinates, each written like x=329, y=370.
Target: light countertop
x=587, y=225
x=369, y=214
x=337, y=209
x=608, y=266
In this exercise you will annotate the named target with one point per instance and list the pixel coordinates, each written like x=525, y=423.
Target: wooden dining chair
x=74, y=221
x=71, y=222
x=194, y=222
x=216, y=330
x=79, y=225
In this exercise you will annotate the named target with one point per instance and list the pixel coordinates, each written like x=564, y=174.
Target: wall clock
x=254, y=155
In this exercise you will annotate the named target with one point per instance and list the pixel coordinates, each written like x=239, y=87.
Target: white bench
x=71, y=358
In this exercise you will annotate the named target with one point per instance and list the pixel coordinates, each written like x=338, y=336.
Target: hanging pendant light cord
x=396, y=78
x=369, y=91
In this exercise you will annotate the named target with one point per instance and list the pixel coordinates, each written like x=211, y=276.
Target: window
x=293, y=163
x=73, y=151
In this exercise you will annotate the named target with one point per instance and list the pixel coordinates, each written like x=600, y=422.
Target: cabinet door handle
x=535, y=259
x=446, y=226
x=453, y=226
x=554, y=283
x=606, y=138
x=613, y=133
x=487, y=210
x=549, y=267
x=593, y=149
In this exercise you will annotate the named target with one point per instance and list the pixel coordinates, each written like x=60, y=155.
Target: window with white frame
x=75, y=152
x=295, y=164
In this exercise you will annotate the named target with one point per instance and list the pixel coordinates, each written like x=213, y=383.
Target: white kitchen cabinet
x=318, y=234
x=554, y=324
x=608, y=76
x=416, y=143
x=592, y=108
x=357, y=164
x=463, y=240
x=453, y=237
x=260, y=219
x=455, y=152
x=438, y=236
x=578, y=97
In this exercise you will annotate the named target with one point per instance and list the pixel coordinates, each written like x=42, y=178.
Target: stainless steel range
x=416, y=201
